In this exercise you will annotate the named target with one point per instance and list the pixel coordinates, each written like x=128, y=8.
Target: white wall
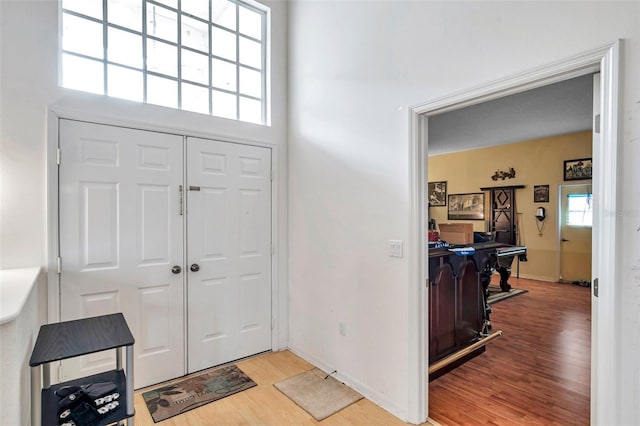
x=29, y=89
x=355, y=67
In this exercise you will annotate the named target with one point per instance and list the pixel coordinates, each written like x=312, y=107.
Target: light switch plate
x=395, y=248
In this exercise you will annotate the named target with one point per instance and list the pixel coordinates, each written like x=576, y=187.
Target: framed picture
x=578, y=169
x=541, y=193
x=437, y=192
x=466, y=206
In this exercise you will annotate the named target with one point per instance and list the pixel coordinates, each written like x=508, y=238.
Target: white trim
x=53, y=279
x=604, y=335
x=418, y=349
x=605, y=340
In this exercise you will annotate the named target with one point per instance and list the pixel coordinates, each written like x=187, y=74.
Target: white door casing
x=604, y=373
x=121, y=231
x=229, y=239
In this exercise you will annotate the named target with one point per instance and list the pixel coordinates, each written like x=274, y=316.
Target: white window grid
x=178, y=45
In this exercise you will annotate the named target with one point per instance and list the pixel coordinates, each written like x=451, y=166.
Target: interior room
x=118, y=119
x=527, y=153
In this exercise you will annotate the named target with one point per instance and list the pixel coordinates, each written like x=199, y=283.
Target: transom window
x=579, y=210
x=206, y=56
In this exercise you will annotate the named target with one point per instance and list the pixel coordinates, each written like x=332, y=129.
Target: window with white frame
x=579, y=210
x=206, y=56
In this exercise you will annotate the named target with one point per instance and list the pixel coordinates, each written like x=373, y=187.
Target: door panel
x=229, y=234
x=575, y=241
x=120, y=233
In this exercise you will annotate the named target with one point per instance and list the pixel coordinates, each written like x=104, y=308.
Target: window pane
x=195, y=34
x=195, y=67
x=162, y=91
x=223, y=44
x=250, y=110
x=223, y=13
x=162, y=23
x=250, y=53
x=82, y=36
x=124, y=48
x=223, y=104
x=250, y=82
x=250, y=23
x=124, y=83
x=126, y=13
x=170, y=3
x=86, y=7
x=162, y=58
x=82, y=74
x=195, y=98
x=199, y=8
x=223, y=75
x=579, y=210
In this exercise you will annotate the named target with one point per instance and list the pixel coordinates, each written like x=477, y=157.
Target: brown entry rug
x=496, y=294
x=318, y=394
x=195, y=391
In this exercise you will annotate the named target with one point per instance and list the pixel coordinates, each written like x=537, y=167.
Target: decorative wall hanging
x=502, y=174
x=579, y=169
x=466, y=206
x=437, y=192
x=541, y=193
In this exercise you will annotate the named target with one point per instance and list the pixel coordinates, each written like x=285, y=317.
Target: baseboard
x=536, y=277
x=371, y=394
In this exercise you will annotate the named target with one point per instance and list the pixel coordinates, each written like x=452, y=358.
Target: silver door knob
x=176, y=269
x=195, y=267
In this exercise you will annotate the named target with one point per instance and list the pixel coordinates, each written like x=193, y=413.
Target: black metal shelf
x=70, y=339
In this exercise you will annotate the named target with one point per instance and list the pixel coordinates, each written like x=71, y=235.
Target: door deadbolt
x=195, y=267
x=176, y=269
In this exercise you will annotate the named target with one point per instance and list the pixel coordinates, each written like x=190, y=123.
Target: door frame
x=604, y=336
x=55, y=113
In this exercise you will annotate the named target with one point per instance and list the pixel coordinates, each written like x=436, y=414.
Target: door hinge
x=181, y=200
x=58, y=156
x=59, y=265
x=595, y=287
x=596, y=123
x=273, y=175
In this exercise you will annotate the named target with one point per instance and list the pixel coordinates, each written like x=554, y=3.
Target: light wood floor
x=537, y=373
x=264, y=404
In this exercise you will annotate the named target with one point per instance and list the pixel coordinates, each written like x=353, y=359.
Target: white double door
x=186, y=257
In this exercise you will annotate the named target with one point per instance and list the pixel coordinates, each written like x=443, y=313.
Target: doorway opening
x=606, y=61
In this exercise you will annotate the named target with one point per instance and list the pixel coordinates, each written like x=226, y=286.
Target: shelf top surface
x=68, y=339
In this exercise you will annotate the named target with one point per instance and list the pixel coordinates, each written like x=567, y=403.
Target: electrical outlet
x=342, y=329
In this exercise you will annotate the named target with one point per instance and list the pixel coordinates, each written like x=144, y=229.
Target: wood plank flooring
x=264, y=404
x=536, y=373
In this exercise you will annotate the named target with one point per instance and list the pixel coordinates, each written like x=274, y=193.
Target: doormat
x=318, y=394
x=195, y=391
x=497, y=295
